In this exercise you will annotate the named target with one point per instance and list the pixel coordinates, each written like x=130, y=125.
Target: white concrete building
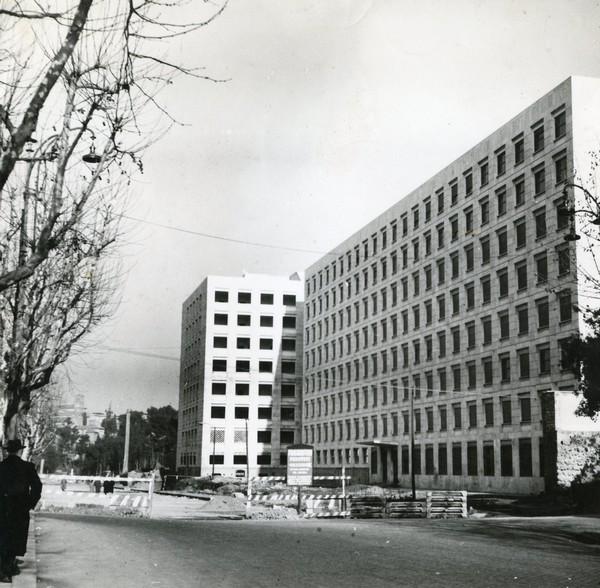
x=241, y=374
x=444, y=319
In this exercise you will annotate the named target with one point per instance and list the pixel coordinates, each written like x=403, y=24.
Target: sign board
x=300, y=465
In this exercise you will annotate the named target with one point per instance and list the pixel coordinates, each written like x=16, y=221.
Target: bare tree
x=78, y=81
x=78, y=106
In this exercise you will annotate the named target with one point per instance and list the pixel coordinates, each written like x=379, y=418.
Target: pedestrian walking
x=20, y=491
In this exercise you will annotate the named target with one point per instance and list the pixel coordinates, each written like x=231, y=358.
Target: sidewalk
x=28, y=576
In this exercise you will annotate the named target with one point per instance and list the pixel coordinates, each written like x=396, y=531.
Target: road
x=96, y=552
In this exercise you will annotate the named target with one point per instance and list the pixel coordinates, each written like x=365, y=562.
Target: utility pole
x=412, y=443
x=126, y=453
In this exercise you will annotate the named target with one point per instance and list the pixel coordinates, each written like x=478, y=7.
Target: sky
x=329, y=113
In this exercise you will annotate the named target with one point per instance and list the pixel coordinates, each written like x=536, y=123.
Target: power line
x=228, y=239
x=141, y=353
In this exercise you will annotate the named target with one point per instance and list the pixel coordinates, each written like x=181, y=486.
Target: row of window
x=264, y=343
x=424, y=314
x=241, y=459
x=503, y=367
x=246, y=298
x=286, y=413
x=479, y=253
x=379, y=240
x=243, y=366
x=440, y=418
x=245, y=389
x=245, y=320
x=485, y=458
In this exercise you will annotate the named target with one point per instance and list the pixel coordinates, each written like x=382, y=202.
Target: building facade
x=241, y=375
x=439, y=324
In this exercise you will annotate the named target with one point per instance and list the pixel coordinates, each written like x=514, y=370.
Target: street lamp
x=568, y=209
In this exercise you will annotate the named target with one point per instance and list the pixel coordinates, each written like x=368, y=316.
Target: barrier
x=405, y=510
x=367, y=507
x=446, y=504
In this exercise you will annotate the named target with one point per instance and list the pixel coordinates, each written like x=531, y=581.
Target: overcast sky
x=332, y=112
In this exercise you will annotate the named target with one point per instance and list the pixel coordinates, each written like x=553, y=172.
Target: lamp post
x=412, y=443
x=568, y=209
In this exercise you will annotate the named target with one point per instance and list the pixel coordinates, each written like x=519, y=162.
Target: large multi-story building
x=442, y=322
x=241, y=374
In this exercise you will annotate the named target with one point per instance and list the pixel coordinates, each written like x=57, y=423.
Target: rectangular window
x=506, y=411
x=472, y=458
x=540, y=223
x=501, y=201
x=560, y=125
x=521, y=233
x=519, y=148
x=502, y=237
x=502, y=283
x=488, y=374
x=560, y=168
x=525, y=458
x=501, y=162
x=506, y=460
x=519, y=191
x=457, y=459
x=221, y=296
x=488, y=458
x=538, y=138
x=523, y=355
x=541, y=268
x=539, y=180
x=565, y=307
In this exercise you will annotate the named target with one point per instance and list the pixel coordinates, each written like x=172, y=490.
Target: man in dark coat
x=20, y=491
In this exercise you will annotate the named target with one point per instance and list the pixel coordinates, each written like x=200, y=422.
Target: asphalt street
x=80, y=552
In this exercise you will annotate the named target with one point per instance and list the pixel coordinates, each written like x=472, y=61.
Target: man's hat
x=13, y=445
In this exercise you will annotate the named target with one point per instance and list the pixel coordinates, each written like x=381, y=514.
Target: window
x=523, y=357
x=506, y=411
x=560, y=125
x=469, y=257
x=243, y=343
x=525, y=458
x=288, y=367
x=289, y=300
x=501, y=201
x=486, y=289
x=486, y=324
x=470, y=294
x=442, y=343
x=506, y=460
x=488, y=412
x=266, y=321
x=288, y=413
x=455, y=264
x=485, y=250
x=543, y=313
x=504, y=367
x=544, y=359
x=521, y=271
x=244, y=297
x=502, y=283
x=415, y=212
x=427, y=209
x=440, y=201
x=470, y=327
x=564, y=260
x=219, y=342
x=289, y=322
x=519, y=191
x=441, y=270
x=540, y=223
x=220, y=319
x=242, y=366
x=440, y=236
x=501, y=162
x=488, y=458
x=539, y=180
x=538, y=138
x=454, y=228
x=521, y=233
x=523, y=319
x=565, y=306
x=456, y=378
x=286, y=437
x=265, y=367
x=266, y=390
x=541, y=268
x=525, y=408
x=457, y=459
x=286, y=344
x=560, y=168
x=441, y=300
x=221, y=296
x=455, y=339
x=504, y=322
x=218, y=388
x=243, y=320
x=263, y=436
x=468, y=183
x=468, y=220
x=264, y=412
x=454, y=297
x=502, y=236
x=471, y=375
x=219, y=365
x=519, y=147
x=266, y=298
x=488, y=373
x=484, y=172
x=484, y=205
x=241, y=412
x=217, y=412
x=456, y=411
x=453, y=192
